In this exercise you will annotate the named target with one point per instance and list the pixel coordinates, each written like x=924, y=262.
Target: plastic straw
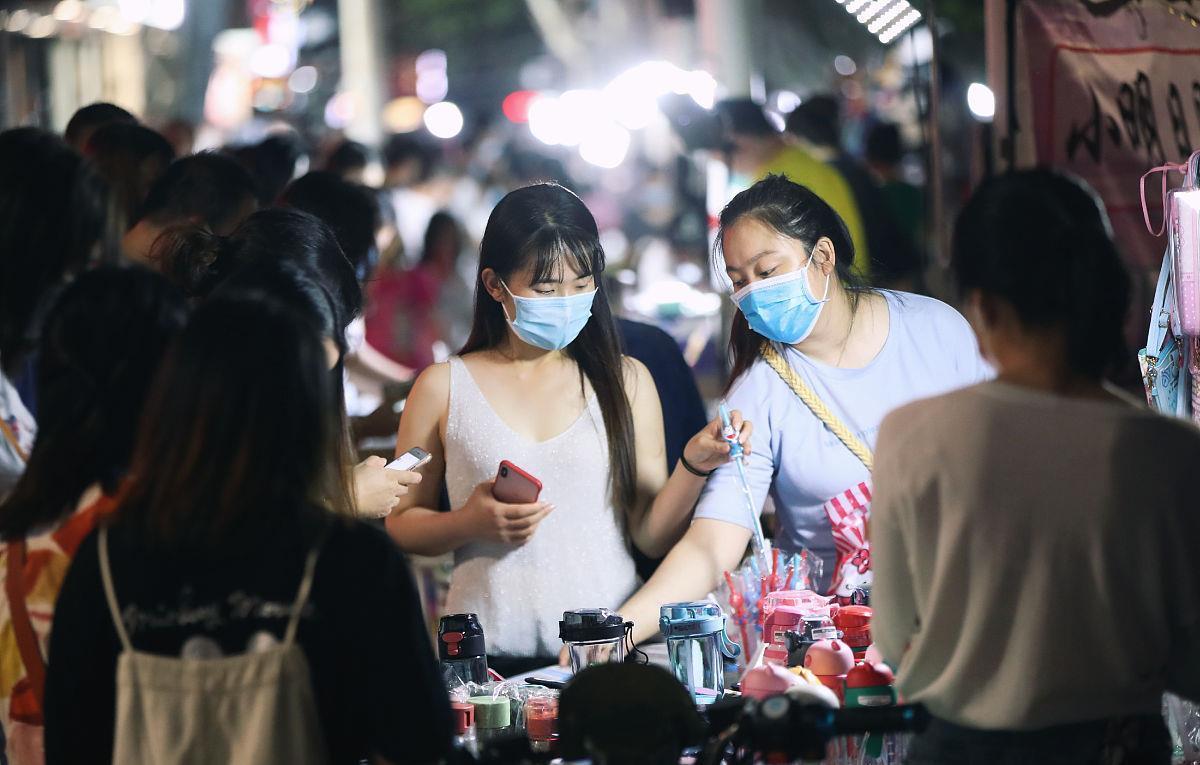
x=758, y=540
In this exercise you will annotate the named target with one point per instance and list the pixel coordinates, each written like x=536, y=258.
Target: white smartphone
x=411, y=459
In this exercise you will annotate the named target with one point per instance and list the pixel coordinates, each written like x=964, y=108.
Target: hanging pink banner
x=1104, y=89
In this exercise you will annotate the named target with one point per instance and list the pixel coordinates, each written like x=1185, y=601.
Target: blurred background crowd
x=655, y=111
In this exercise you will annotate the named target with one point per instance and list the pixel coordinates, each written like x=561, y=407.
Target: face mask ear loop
x=828, y=278
x=504, y=310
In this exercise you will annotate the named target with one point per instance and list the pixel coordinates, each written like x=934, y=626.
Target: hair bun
x=192, y=257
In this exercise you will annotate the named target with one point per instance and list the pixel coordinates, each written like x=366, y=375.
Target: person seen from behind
x=201, y=262
x=1036, y=583
x=99, y=350
x=53, y=224
x=131, y=158
x=235, y=511
x=90, y=118
x=208, y=189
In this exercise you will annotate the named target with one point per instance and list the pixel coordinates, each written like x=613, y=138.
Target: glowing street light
x=444, y=119
x=605, y=145
x=981, y=101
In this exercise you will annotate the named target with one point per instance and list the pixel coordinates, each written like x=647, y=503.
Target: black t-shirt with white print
x=374, y=673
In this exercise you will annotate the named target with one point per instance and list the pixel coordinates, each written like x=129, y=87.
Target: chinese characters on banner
x=1105, y=90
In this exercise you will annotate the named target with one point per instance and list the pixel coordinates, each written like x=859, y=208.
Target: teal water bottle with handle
x=698, y=646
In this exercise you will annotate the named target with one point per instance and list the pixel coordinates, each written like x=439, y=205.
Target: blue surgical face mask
x=550, y=323
x=782, y=308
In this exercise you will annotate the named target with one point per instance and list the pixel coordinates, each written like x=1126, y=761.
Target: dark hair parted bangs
x=551, y=250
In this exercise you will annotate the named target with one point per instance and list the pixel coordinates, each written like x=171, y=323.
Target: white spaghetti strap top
x=577, y=558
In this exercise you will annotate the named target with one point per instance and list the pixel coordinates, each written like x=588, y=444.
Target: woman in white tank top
x=541, y=383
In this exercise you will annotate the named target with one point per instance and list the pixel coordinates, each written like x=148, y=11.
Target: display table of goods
x=791, y=677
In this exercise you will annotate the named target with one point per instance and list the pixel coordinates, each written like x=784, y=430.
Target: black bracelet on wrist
x=688, y=467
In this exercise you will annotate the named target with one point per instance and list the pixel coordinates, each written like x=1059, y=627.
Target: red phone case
x=514, y=486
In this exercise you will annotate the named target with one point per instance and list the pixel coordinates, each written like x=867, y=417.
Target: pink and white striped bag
x=848, y=513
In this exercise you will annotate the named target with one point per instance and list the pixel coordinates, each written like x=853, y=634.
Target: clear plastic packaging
x=1183, y=721
x=744, y=593
x=852, y=750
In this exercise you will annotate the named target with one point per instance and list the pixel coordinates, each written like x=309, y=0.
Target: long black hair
x=131, y=159
x=235, y=438
x=350, y=209
x=101, y=344
x=796, y=212
x=441, y=224
x=541, y=225
x=1041, y=242
x=199, y=261
x=53, y=223
x=291, y=255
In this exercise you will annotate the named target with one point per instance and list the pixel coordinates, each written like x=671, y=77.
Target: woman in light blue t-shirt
x=862, y=352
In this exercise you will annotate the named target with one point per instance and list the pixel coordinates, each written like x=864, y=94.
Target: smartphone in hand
x=514, y=486
x=411, y=459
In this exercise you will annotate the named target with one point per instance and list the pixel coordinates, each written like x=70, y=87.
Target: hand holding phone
x=377, y=489
x=506, y=509
x=514, y=486
x=412, y=459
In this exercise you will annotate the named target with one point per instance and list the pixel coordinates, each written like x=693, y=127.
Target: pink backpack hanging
x=1181, y=221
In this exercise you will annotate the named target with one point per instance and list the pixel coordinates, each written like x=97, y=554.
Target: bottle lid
x=587, y=624
x=829, y=658
x=849, y=617
x=868, y=675
x=464, y=717
x=460, y=636
x=690, y=619
x=491, y=712
x=786, y=616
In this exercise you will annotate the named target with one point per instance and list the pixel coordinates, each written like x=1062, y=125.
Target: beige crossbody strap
x=110, y=593
x=818, y=407
x=310, y=568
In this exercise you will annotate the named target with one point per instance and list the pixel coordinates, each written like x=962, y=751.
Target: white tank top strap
x=460, y=380
x=110, y=594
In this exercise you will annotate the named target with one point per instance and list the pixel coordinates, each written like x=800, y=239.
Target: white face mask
x=782, y=308
x=550, y=323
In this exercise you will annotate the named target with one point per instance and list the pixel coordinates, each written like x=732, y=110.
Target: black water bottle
x=461, y=649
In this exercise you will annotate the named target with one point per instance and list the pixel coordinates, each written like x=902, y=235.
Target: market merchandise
x=698, y=647
x=462, y=649
x=593, y=636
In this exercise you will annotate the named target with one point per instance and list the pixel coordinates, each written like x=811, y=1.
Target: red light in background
x=516, y=105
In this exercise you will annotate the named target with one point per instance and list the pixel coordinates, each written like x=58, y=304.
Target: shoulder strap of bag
x=310, y=568
x=810, y=399
x=27, y=646
x=110, y=592
x=1160, y=317
x=11, y=438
